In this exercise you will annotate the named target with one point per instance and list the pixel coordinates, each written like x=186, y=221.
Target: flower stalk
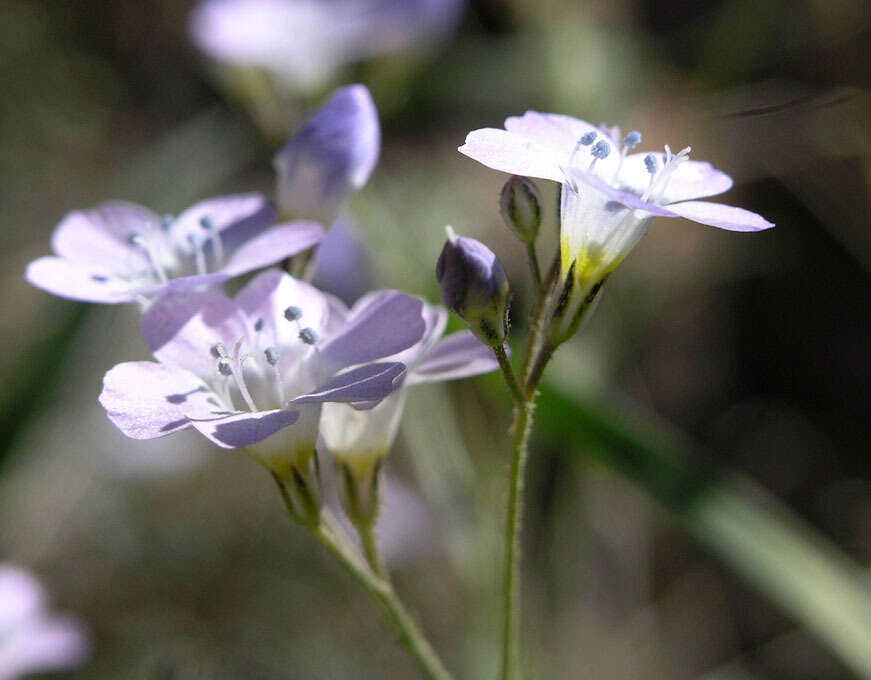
x=406, y=628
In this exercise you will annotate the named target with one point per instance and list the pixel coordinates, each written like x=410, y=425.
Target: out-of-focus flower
x=254, y=372
x=330, y=157
x=608, y=195
x=32, y=640
x=475, y=287
x=122, y=252
x=342, y=264
x=360, y=439
x=304, y=42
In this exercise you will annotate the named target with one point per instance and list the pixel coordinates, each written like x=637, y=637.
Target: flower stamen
x=140, y=241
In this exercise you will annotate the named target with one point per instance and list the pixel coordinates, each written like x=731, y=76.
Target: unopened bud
x=520, y=203
x=475, y=287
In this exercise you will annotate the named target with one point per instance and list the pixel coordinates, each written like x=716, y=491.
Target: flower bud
x=475, y=287
x=520, y=203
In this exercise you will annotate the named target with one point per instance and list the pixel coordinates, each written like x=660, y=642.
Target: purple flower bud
x=475, y=287
x=520, y=203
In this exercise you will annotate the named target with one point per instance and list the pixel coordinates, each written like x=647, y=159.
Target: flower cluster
x=282, y=368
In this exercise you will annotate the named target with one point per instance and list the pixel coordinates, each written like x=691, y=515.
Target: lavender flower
x=121, y=252
x=254, y=372
x=360, y=438
x=32, y=640
x=330, y=157
x=608, y=195
x=304, y=42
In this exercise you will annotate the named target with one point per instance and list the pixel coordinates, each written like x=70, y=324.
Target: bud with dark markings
x=520, y=203
x=475, y=287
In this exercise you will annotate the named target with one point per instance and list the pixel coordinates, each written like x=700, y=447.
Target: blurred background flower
x=178, y=555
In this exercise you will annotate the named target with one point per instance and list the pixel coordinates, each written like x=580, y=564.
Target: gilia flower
x=254, y=372
x=359, y=436
x=609, y=196
x=304, y=42
x=122, y=252
x=31, y=639
x=330, y=157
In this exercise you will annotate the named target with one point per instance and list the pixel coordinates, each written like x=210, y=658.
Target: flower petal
x=691, y=179
x=369, y=383
x=514, y=154
x=44, y=643
x=182, y=327
x=101, y=236
x=625, y=198
x=389, y=323
x=21, y=594
x=721, y=216
x=560, y=133
x=245, y=429
x=77, y=280
x=459, y=355
x=272, y=246
x=330, y=157
x=146, y=400
x=247, y=212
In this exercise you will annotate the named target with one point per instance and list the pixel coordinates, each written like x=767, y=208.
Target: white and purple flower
x=33, y=640
x=330, y=157
x=121, y=252
x=609, y=196
x=305, y=42
x=360, y=439
x=254, y=372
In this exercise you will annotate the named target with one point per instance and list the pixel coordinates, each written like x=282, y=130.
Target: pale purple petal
x=722, y=216
x=44, y=643
x=342, y=263
x=77, y=281
x=390, y=324
x=101, y=236
x=146, y=400
x=514, y=154
x=273, y=245
x=691, y=179
x=624, y=198
x=558, y=132
x=21, y=596
x=369, y=383
x=250, y=212
x=268, y=295
x=459, y=355
x=436, y=319
x=245, y=429
x=330, y=157
x=182, y=327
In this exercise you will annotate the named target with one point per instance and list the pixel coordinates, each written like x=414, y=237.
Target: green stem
x=508, y=372
x=536, y=317
x=370, y=549
x=409, y=633
x=521, y=426
x=533, y=266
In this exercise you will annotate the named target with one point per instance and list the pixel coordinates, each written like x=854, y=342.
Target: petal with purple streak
x=459, y=355
x=389, y=324
x=147, y=400
x=369, y=383
x=77, y=281
x=244, y=429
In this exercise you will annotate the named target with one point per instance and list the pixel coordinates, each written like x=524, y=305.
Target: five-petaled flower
x=608, y=197
x=122, y=252
x=254, y=372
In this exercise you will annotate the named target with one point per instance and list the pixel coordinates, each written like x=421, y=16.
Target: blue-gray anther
x=207, y=223
x=308, y=336
x=219, y=351
x=587, y=139
x=271, y=355
x=600, y=149
x=651, y=163
x=259, y=324
x=293, y=313
x=134, y=239
x=167, y=221
x=224, y=368
x=632, y=140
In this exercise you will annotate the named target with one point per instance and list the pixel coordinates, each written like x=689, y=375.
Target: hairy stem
x=508, y=372
x=406, y=628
